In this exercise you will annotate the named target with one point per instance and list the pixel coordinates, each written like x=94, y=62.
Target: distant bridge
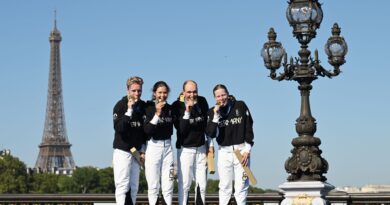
x=335, y=198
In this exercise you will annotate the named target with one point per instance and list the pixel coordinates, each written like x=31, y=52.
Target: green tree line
x=14, y=179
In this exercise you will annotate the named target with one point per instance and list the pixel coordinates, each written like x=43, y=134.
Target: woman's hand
x=245, y=159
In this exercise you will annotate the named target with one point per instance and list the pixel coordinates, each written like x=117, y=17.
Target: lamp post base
x=305, y=192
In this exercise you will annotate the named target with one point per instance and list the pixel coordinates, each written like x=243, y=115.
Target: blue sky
x=211, y=42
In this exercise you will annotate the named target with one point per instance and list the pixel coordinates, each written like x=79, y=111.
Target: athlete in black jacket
x=231, y=123
x=128, y=117
x=190, y=112
x=163, y=130
x=234, y=123
x=190, y=128
x=159, y=163
x=129, y=131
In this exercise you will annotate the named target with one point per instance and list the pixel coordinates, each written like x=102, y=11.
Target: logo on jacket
x=135, y=124
x=197, y=119
x=165, y=120
x=233, y=121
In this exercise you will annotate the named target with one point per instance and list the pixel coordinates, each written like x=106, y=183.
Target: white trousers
x=159, y=165
x=192, y=165
x=229, y=169
x=126, y=176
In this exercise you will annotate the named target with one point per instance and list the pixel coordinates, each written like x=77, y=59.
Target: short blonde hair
x=134, y=80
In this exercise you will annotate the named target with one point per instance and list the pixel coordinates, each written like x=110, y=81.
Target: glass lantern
x=272, y=52
x=336, y=48
x=305, y=16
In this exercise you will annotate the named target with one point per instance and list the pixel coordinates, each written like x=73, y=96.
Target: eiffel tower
x=54, y=151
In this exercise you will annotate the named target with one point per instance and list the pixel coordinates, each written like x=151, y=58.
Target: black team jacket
x=190, y=132
x=235, y=125
x=129, y=131
x=164, y=128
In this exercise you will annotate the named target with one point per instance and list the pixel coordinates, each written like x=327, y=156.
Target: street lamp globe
x=272, y=52
x=305, y=17
x=336, y=48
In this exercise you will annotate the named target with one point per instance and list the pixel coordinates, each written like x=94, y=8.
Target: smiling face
x=134, y=91
x=190, y=91
x=221, y=96
x=161, y=94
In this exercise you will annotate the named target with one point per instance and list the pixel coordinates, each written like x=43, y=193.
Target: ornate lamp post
x=306, y=166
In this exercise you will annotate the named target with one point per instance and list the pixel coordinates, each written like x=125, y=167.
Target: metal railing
x=142, y=199
x=335, y=198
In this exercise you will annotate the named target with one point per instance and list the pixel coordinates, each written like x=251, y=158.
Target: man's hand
x=189, y=104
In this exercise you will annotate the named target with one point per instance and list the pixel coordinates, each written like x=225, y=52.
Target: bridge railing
x=335, y=198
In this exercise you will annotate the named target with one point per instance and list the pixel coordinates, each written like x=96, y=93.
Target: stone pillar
x=305, y=193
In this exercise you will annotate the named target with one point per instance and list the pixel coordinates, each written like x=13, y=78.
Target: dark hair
x=220, y=86
x=157, y=85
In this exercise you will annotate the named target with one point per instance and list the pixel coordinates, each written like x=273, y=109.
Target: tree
x=106, y=181
x=143, y=184
x=44, y=183
x=66, y=184
x=212, y=186
x=253, y=189
x=13, y=175
x=86, y=179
